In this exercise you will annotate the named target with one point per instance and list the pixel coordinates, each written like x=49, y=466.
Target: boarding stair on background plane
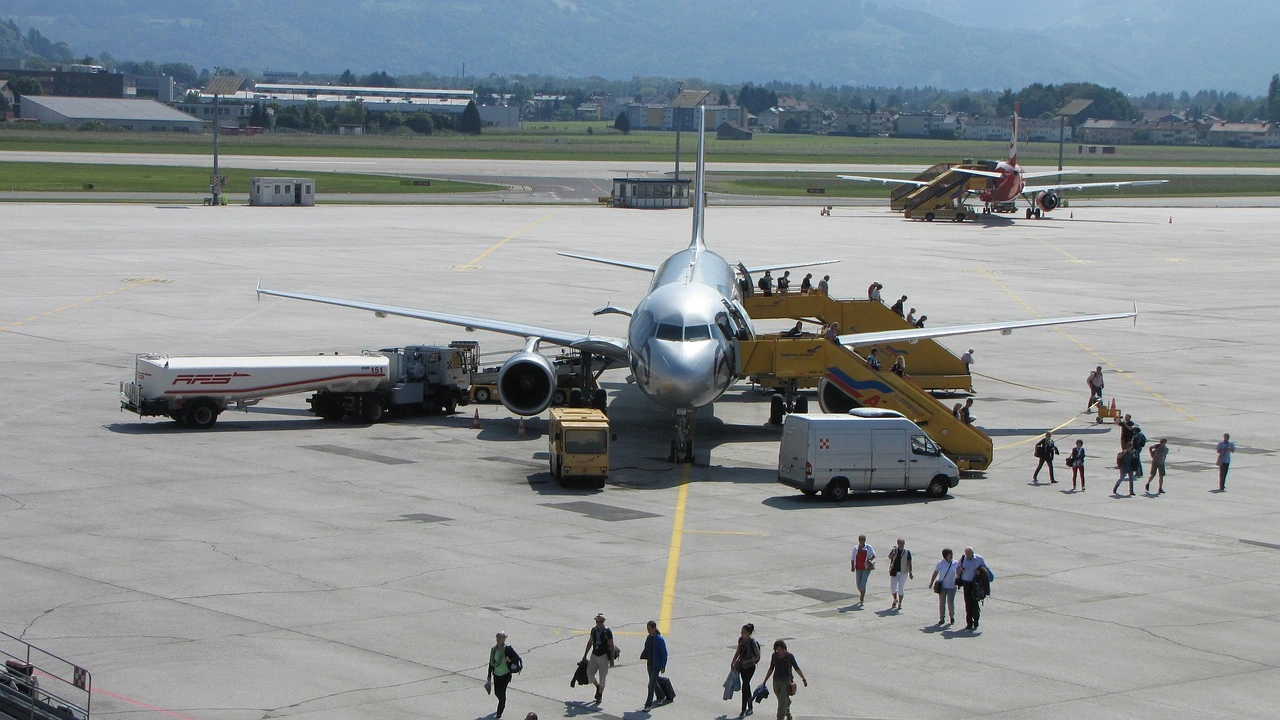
x=898, y=196
x=931, y=366
x=37, y=685
x=847, y=382
x=942, y=197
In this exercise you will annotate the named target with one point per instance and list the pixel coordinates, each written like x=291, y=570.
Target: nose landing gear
x=682, y=444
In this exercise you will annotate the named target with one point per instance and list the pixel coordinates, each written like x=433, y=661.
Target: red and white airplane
x=1008, y=182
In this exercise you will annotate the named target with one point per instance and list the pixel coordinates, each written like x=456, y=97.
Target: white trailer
x=195, y=390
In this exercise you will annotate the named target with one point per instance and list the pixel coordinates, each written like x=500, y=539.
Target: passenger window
x=697, y=332
x=674, y=333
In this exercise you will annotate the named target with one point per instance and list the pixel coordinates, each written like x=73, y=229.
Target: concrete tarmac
x=281, y=566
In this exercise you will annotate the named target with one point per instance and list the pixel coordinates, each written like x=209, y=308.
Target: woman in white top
x=945, y=572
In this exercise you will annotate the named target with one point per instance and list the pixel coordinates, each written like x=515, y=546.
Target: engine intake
x=526, y=383
x=1049, y=201
x=834, y=400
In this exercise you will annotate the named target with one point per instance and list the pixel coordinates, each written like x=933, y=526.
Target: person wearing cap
x=601, y=652
x=502, y=660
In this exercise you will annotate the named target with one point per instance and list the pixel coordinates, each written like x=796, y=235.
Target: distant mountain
x=1136, y=45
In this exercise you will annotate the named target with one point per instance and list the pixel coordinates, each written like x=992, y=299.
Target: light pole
x=675, y=118
x=219, y=85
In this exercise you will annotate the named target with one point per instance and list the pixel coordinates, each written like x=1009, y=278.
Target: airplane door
x=891, y=458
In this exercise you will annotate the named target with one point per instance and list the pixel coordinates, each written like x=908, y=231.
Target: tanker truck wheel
x=200, y=414
x=373, y=411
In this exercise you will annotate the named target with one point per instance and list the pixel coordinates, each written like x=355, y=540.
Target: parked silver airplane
x=682, y=340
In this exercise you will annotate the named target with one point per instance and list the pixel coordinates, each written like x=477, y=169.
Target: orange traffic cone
x=520, y=429
x=475, y=421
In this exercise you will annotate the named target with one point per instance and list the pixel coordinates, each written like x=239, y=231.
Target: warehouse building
x=134, y=115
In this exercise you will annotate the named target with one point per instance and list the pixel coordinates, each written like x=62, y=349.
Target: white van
x=865, y=450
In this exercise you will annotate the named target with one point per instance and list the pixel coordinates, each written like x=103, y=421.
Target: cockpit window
x=674, y=333
x=697, y=332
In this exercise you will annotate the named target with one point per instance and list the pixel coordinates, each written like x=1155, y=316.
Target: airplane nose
x=681, y=374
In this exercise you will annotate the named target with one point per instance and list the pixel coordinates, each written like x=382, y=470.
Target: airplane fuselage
x=1007, y=187
x=682, y=339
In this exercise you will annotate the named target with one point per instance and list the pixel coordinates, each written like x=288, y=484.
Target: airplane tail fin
x=1013, y=140
x=699, y=175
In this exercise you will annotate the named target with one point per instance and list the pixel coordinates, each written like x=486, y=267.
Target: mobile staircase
x=848, y=382
x=930, y=365
x=38, y=685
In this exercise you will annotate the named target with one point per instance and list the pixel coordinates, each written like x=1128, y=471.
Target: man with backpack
x=599, y=654
x=1046, y=451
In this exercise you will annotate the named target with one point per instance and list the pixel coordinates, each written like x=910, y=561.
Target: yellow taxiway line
x=474, y=264
x=673, y=552
x=130, y=284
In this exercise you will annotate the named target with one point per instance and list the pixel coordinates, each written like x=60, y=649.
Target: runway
x=281, y=566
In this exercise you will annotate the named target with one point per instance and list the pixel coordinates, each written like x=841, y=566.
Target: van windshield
x=586, y=442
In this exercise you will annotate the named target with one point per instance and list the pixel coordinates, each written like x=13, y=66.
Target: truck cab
x=578, y=444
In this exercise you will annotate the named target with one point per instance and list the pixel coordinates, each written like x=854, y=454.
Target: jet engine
x=526, y=383
x=1048, y=201
x=834, y=400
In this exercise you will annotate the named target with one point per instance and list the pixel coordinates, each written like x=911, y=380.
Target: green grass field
x=569, y=141
x=65, y=177
x=797, y=184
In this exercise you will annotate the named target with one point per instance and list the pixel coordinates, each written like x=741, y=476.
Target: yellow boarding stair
x=848, y=382
x=930, y=365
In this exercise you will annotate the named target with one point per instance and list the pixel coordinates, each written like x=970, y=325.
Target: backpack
x=762, y=284
x=514, y=662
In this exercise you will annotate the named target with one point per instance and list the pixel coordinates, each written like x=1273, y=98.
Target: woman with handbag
x=745, y=659
x=781, y=665
x=1076, y=462
x=943, y=582
x=503, y=661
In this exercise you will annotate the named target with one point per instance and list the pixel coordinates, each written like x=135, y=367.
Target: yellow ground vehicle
x=578, y=440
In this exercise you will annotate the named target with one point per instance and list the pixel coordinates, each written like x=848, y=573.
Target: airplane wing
x=788, y=265
x=981, y=173
x=886, y=181
x=1078, y=186
x=1005, y=328
x=1048, y=173
x=613, y=348
x=607, y=261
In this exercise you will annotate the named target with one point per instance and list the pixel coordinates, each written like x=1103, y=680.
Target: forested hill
x=1136, y=45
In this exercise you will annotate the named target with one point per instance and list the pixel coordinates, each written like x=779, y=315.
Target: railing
x=38, y=685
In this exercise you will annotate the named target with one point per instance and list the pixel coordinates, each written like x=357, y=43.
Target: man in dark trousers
x=971, y=574
x=1095, y=383
x=900, y=306
x=655, y=656
x=1046, y=451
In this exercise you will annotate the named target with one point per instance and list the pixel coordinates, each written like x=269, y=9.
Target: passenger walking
x=899, y=572
x=873, y=361
x=943, y=582
x=824, y=285
x=898, y=306
x=1046, y=451
x=1158, y=452
x=784, y=283
x=1076, y=461
x=956, y=410
x=911, y=317
x=806, y=285
x=899, y=367
x=832, y=333
x=1126, y=431
x=1225, y=448
x=765, y=283
x=781, y=665
x=967, y=359
x=973, y=575
x=655, y=657
x=1128, y=466
x=966, y=412
x=745, y=659
x=873, y=292
x=1095, y=383
x=602, y=653
x=503, y=661
x=861, y=565
x=920, y=321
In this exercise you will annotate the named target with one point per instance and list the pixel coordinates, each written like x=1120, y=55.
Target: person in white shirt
x=973, y=569
x=967, y=359
x=945, y=572
x=861, y=565
x=1225, y=448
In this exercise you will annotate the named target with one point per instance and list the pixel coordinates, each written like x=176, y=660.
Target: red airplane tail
x=1013, y=140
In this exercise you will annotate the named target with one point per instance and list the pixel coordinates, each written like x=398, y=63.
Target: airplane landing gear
x=788, y=400
x=682, y=444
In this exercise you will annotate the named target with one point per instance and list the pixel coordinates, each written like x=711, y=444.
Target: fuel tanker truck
x=195, y=390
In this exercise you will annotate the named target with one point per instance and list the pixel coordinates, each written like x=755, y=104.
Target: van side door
x=891, y=457
x=846, y=454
